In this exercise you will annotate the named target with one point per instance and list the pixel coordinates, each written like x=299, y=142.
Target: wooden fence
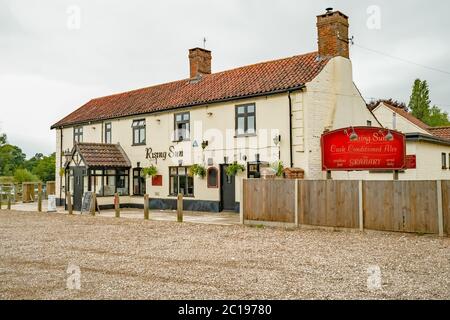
x=405, y=206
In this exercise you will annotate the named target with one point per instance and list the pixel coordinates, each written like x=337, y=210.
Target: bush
x=150, y=171
x=23, y=175
x=234, y=169
x=197, y=170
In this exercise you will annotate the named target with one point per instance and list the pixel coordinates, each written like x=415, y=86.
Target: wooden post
x=16, y=192
x=117, y=205
x=180, y=208
x=242, y=202
x=396, y=175
x=360, y=205
x=69, y=202
x=1, y=200
x=146, y=205
x=93, y=203
x=439, y=207
x=40, y=197
x=9, y=201
x=296, y=202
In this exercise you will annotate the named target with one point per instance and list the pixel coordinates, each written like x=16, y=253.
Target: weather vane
x=204, y=43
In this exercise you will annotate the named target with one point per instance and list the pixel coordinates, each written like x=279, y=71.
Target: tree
x=419, y=104
x=3, y=139
x=397, y=104
x=11, y=158
x=23, y=175
x=437, y=117
x=45, y=168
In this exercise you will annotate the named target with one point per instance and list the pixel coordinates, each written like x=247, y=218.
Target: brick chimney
x=332, y=30
x=199, y=61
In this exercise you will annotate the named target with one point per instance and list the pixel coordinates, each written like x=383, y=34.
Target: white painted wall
x=386, y=116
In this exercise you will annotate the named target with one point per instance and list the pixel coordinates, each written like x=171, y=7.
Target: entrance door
x=227, y=190
x=78, y=187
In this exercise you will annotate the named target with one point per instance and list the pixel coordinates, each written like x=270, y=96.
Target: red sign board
x=363, y=148
x=410, y=161
x=157, y=180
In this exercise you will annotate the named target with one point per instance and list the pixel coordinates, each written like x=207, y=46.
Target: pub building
x=248, y=117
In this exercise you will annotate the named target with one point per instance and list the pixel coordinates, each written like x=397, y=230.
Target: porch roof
x=102, y=155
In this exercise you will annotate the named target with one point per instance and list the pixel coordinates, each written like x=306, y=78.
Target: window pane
x=173, y=171
x=178, y=117
x=241, y=109
x=142, y=135
x=251, y=108
x=240, y=125
x=109, y=185
x=186, y=116
x=182, y=186
x=251, y=124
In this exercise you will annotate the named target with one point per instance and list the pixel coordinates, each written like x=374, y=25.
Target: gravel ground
x=136, y=259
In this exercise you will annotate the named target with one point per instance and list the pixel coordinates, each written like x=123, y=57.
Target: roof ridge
x=206, y=75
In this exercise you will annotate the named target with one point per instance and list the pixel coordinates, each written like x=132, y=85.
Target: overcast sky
x=50, y=65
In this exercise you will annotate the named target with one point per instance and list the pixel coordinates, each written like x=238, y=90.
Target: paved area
x=223, y=218
x=45, y=256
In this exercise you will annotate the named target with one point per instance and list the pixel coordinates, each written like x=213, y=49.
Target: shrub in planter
x=234, y=169
x=197, y=170
x=278, y=167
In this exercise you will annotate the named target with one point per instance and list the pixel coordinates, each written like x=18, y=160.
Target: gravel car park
x=137, y=259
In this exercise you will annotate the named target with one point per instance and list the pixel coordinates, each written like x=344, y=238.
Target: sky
x=55, y=55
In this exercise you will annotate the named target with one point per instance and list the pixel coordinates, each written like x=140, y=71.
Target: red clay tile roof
x=441, y=132
x=408, y=116
x=261, y=78
x=103, y=155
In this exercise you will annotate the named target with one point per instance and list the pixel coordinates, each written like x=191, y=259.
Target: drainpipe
x=290, y=130
x=60, y=163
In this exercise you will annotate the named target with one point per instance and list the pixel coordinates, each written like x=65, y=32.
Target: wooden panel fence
x=405, y=206
x=269, y=200
x=328, y=203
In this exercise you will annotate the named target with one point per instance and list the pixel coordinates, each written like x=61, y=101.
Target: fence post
x=40, y=197
x=93, y=207
x=117, y=205
x=180, y=208
x=9, y=201
x=1, y=199
x=439, y=207
x=296, y=202
x=146, y=205
x=241, y=204
x=69, y=202
x=360, y=205
x=16, y=192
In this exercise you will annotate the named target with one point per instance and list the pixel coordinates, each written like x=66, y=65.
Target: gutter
x=421, y=137
x=261, y=94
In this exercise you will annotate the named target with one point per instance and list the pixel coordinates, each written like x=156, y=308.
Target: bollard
x=40, y=197
x=9, y=201
x=180, y=208
x=93, y=204
x=146, y=205
x=69, y=203
x=117, y=204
